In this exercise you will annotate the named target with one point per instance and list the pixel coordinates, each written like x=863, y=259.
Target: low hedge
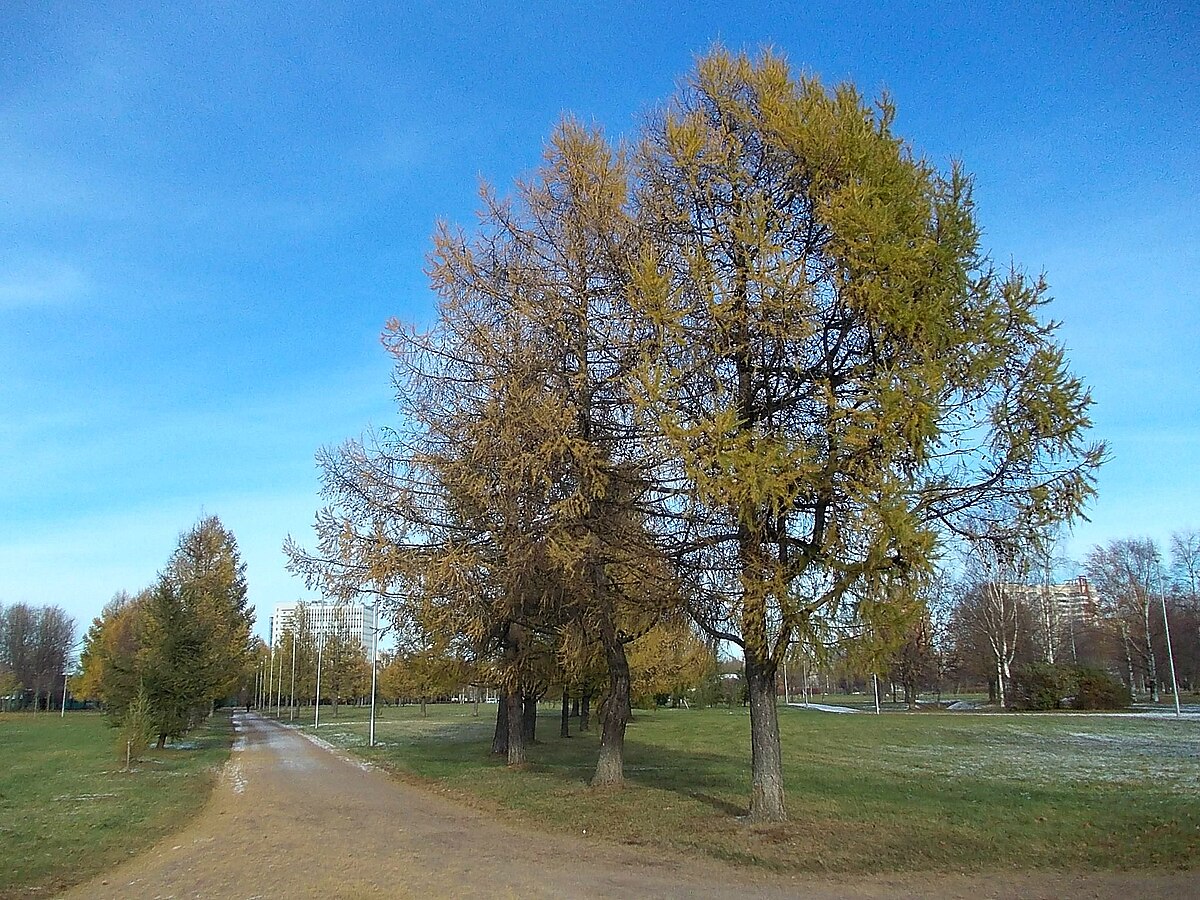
x=1040, y=686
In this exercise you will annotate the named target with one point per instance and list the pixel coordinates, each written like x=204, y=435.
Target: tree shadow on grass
x=713, y=779
x=710, y=778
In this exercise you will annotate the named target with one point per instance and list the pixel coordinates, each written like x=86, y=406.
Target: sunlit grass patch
x=67, y=808
x=934, y=791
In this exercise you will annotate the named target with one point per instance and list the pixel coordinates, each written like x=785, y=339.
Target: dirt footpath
x=292, y=819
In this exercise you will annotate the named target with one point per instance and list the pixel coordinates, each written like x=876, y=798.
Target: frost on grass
x=1055, y=751
x=408, y=732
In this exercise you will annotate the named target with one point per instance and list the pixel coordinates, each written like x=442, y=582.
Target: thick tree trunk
x=500, y=736
x=610, y=767
x=575, y=708
x=529, y=704
x=162, y=740
x=564, y=722
x=766, y=759
x=516, y=730
x=585, y=711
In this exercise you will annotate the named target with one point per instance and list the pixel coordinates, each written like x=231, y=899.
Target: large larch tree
x=837, y=369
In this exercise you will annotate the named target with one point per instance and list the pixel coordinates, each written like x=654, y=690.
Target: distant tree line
x=35, y=647
x=735, y=384
x=167, y=654
x=997, y=627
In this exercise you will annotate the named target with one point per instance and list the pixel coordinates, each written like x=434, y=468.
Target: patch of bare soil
x=292, y=819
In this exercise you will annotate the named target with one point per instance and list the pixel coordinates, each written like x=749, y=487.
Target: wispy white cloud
x=42, y=284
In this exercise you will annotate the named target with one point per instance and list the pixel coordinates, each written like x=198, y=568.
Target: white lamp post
x=292, y=718
x=74, y=647
x=376, y=631
x=1162, y=596
x=279, y=687
x=374, y=668
x=317, y=705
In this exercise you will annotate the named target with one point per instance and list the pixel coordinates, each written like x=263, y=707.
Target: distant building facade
x=326, y=619
x=1072, y=601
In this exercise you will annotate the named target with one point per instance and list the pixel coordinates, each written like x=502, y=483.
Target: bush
x=1039, y=686
x=1097, y=689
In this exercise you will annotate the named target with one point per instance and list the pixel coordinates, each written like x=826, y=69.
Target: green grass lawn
x=68, y=811
x=927, y=791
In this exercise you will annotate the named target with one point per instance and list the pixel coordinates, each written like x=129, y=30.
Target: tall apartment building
x=1072, y=601
x=325, y=619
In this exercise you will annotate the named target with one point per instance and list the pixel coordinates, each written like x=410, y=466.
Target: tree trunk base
x=766, y=758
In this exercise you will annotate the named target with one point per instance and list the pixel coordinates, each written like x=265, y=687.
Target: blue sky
x=208, y=212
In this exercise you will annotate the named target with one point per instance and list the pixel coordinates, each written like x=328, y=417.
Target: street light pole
x=374, y=667
x=317, y=705
x=292, y=718
x=70, y=651
x=1162, y=596
x=279, y=687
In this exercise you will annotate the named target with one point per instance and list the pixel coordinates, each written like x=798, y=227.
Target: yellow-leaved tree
x=837, y=370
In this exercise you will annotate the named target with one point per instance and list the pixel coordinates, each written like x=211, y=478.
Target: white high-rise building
x=325, y=619
x=1072, y=602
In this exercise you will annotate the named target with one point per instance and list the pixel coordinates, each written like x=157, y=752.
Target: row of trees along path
x=750, y=371
x=165, y=655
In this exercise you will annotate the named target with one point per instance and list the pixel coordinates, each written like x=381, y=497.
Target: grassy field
x=898, y=792
x=68, y=811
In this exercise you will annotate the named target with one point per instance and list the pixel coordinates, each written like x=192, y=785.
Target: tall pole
x=875, y=682
x=292, y=718
x=317, y=705
x=1162, y=596
x=279, y=686
x=64, y=705
x=374, y=668
x=270, y=678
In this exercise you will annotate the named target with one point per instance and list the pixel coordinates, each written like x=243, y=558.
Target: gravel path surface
x=291, y=819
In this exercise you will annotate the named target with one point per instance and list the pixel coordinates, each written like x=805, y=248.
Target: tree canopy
x=182, y=644
x=756, y=369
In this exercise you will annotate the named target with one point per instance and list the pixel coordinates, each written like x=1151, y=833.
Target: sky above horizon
x=208, y=211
